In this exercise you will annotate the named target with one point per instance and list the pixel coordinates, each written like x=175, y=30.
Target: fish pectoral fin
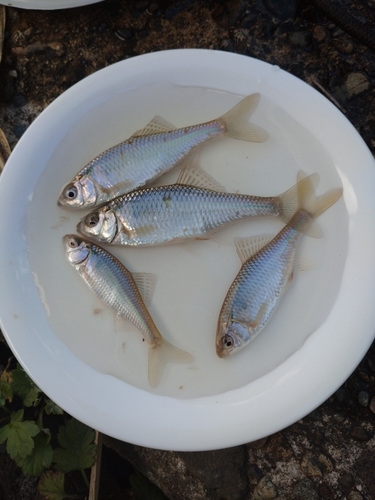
x=157, y=125
x=146, y=285
x=197, y=177
x=258, y=319
x=119, y=188
x=160, y=355
x=248, y=247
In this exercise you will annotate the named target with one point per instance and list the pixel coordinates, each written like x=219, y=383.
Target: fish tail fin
x=237, y=121
x=314, y=205
x=162, y=354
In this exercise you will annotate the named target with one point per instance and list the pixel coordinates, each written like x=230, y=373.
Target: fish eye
x=73, y=243
x=92, y=219
x=71, y=192
x=227, y=341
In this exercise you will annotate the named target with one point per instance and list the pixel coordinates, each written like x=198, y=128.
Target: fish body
x=151, y=152
x=164, y=214
x=121, y=290
x=268, y=266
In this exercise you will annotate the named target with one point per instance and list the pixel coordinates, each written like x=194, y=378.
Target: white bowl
x=96, y=369
x=47, y=4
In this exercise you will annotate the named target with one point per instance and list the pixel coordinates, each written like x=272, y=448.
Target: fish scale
x=115, y=286
x=161, y=214
x=118, y=288
x=147, y=157
x=267, y=267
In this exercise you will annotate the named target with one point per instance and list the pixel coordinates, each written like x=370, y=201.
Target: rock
x=304, y=490
x=355, y=495
x=363, y=398
x=210, y=475
x=264, y=490
x=360, y=434
x=315, y=466
x=372, y=404
x=355, y=83
x=319, y=33
x=309, y=466
x=299, y=38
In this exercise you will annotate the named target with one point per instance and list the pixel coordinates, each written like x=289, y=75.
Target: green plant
x=40, y=437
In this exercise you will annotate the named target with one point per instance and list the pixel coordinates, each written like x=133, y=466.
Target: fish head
x=81, y=193
x=231, y=337
x=77, y=250
x=101, y=225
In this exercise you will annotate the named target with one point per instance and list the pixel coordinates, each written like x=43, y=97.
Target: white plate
x=47, y=4
x=316, y=338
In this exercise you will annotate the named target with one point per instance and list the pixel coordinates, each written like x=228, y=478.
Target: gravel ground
x=331, y=452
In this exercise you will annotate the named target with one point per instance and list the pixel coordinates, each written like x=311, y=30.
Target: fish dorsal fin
x=197, y=177
x=156, y=126
x=146, y=285
x=248, y=247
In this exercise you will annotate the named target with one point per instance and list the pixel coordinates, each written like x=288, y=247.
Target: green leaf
x=19, y=435
x=39, y=459
x=143, y=489
x=52, y=408
x=6, y=391
x=51, y=486
x=24, y=387
x=77, y=450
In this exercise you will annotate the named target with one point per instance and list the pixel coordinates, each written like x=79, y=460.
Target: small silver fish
x=150, y=153
x=267, y=267
x=126, y=294
x=193, y=208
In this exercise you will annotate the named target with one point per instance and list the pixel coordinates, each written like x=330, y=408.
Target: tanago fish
x=151, y=152
x=195, y=207
x=267, y=267
x=126, y=294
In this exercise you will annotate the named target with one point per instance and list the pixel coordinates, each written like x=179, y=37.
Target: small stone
x=264, y=490
x=341, y=394
x=372, y=405
x=304, y=490
x=346, y=481
x=254, y=472
x=344, y=46
x=337, y=32
x=19, y=100
x=360, y=434
x=19, y=130
x=363, y=398
x=356, y=83
x=354, y=495
x=319, y=33
x=123, y=34
x=13, y=73
x=371, y=364
x=309, y=466
x=299, y=38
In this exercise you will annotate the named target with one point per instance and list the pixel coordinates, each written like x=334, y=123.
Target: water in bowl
x=192, y=277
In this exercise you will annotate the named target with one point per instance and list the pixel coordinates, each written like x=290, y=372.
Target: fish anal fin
x=157, y=125
x=248, y=247
x=197, y=177
x=162, y=354
x=146, y=285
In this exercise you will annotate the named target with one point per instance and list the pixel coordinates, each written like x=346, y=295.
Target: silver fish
x=150, y=153
x=195, y=207
x=267, y=267
x=126, y=294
